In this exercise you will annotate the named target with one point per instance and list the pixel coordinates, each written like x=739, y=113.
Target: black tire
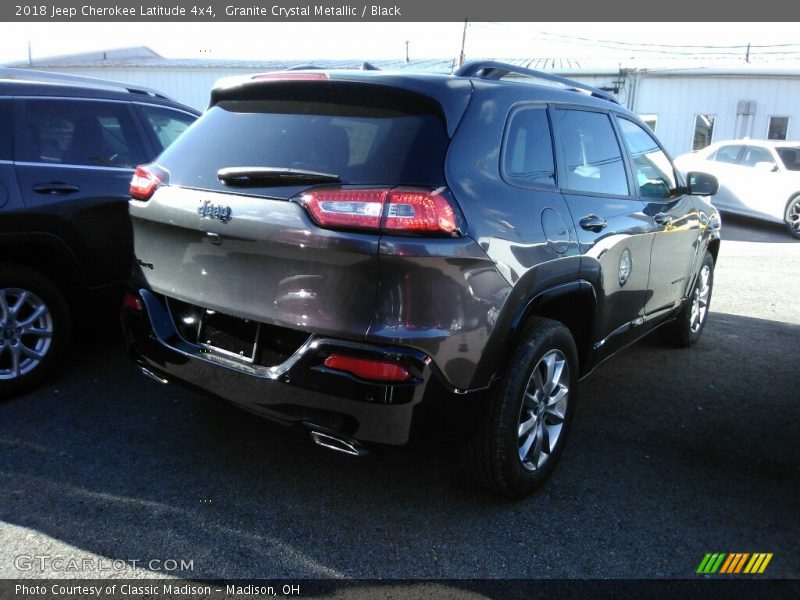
x=792, y=217
x=493, y=456
x=684, y=331
x=55, y=318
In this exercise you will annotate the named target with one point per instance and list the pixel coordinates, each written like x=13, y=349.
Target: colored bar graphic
x=742, y=558
x=727, y=564
x=717, y=563
x=734, y=563
x=765, y=563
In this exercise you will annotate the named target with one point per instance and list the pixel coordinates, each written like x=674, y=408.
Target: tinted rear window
x=363, y=138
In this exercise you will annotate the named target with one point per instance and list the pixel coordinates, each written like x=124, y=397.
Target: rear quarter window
x=527, y=157
x=166, y=125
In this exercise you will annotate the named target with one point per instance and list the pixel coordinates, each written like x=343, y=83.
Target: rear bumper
x=300, y=389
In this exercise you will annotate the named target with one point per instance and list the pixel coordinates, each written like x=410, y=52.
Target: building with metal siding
x=739, y=98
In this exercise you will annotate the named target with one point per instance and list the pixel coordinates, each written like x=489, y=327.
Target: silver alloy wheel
x=700, y=299
x=544, y=407
x=26, y=332
x=793, y=217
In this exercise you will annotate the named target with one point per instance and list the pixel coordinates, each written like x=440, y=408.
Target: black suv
x=370, y=253
x=68, y=146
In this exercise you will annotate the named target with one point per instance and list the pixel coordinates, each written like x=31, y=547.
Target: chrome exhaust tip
x=148, y=373
x=337, y=444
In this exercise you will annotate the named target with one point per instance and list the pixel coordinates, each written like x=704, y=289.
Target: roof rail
x=490, y=69
x=50, y=77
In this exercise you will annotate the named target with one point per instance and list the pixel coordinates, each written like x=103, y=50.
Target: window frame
x=769, y=125
x=694, y=130
x=560, y=161
x=512, y=113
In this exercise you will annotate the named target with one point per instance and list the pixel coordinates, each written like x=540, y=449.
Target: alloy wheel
x=26, y=332
x=544, y=408
x=700, y=298
x=793, y=218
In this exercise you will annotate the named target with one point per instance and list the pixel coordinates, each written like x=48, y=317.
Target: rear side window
x=754, y=154
x=79, y=132
x=356, y=132
x=592, y=157
x=528, y=150
x=165, y=124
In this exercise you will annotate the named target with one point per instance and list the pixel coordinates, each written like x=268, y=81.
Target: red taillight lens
x=339, y=207
x=145, y=182
x=132, y=302
x=394, y=210
x=411, y=210
x=367, y=368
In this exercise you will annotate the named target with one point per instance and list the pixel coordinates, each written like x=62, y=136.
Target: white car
x=757, y=178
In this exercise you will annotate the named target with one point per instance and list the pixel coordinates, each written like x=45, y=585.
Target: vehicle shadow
x=738, y=228
x=673, y=452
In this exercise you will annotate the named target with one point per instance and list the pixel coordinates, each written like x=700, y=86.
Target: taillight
x=132, y=302
x=393, y=210
x=146, y=180
x=368, y=368
x=410, y=210
x=360, y=209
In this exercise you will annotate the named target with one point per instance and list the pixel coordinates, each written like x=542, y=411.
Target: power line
x=682, y=49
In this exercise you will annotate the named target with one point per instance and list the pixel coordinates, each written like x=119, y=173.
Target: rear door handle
x=55, y=188
x=593, y=223
x=662, y=218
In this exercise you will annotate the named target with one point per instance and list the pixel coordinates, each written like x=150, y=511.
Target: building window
x=650, y=121
x=778, y=126
x=703, y=131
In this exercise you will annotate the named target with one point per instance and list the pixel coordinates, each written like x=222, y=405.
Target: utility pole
x=407, y=51
x=463, y=43
x=747, y=55
x=30, y=60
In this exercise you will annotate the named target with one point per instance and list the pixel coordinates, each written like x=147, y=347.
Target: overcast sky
x=387, y=40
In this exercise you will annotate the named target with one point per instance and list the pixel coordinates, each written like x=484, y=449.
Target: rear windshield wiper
x=272, y=175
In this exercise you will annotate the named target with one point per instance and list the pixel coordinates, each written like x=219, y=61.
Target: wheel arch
x=46, y=254
x=572, y=304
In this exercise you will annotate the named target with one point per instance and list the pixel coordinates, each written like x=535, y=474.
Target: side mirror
x=701, y=184
x=766, y=166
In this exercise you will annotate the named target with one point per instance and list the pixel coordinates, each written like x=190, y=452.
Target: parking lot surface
x=674, y=453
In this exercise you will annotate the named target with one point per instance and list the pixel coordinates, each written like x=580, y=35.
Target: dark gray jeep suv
x=68, y=147
x=370, y=253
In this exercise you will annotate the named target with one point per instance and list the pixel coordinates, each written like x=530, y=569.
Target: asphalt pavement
x=674, y=454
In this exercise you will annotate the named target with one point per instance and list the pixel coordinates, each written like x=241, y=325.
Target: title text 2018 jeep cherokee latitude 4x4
x=353, y=250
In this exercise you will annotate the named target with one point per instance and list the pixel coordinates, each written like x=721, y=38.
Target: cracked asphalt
x=674, y=453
